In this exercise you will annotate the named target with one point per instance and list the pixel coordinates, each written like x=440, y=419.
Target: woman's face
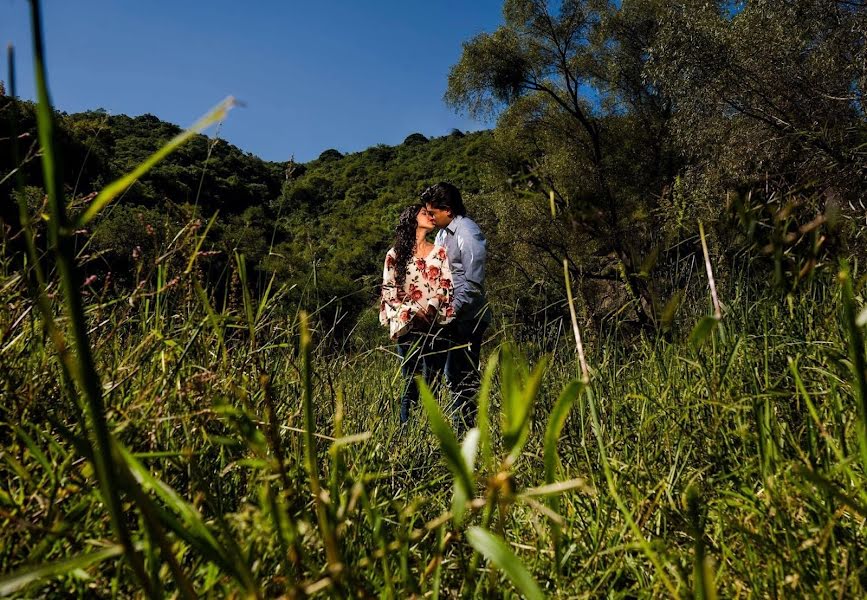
x=425, y=220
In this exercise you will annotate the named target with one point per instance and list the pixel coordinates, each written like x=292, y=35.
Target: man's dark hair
x=445, y=196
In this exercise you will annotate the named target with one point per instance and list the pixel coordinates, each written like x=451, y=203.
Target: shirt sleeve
x=395, y=312
x=441, y=287
x=468, y=283
x=445, y=310
x=389, y=285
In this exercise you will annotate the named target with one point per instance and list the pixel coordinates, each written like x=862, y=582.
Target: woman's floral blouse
x=428, y=283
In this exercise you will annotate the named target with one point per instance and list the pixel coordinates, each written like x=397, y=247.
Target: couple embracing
x=433, y=300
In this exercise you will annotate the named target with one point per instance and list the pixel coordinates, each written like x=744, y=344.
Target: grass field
x=265, y=463
x=155, y=445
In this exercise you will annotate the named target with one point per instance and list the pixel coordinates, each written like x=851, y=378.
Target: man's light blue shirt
x=467, y=249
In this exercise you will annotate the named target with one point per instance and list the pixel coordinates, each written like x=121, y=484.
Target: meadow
x=186, y=439
x=251, y=459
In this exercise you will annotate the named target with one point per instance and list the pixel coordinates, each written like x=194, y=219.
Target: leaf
x=730, y=360
x=649, y=262
x=459, y=503
x=518, y=420
x=448, y=442
x=469, y=447
x=17, y=581
x=555, y=425
x=193, y=528
x=669, y=311
x=702, y=330
x=35, y=451
x=461, y=495
x=858, y=366
x=559, y=487
x=496, y=551
x=484, y=419
x=829, y=487
x=507, y=383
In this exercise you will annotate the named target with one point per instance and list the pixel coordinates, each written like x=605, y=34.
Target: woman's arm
x=389, y=282
x=394, y=304
x=443, y=284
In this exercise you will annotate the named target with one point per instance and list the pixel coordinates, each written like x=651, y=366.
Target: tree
x=330, y=154
x=566, y=80
x=415, y=139
x=768, y=88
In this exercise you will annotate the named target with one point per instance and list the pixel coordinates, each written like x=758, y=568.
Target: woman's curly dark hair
x=404, y=241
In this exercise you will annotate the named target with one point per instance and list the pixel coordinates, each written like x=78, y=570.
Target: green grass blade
x=199, y=241
x=35, y=451
x=831, y=488
x=17, y=581
x=484, y=417
x=518, y=429
x=703, y=585
x=192, y=523
x=241, y=264
x=856, y=357
x=311, y=461
x=507, y=384
x=555, y=425
x=496, y=551
x=62, y=243
x=469, y=448
x=624, y=510
x=669, y=311
x=702, y=330
x=446, y=436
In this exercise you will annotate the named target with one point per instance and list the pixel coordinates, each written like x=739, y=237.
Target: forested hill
x=321, y=226
x=98, y=148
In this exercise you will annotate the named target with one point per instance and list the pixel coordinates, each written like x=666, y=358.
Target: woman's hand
x=420, y=320
x=424, y=318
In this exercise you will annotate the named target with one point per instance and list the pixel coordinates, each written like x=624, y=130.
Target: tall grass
x=740, y=457
x=154, y=444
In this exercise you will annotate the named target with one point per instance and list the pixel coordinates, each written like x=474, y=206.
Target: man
x=466, y=249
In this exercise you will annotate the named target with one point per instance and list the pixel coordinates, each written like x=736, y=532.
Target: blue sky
x=313, y=75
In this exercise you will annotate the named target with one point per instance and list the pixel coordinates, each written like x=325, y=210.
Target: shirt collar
x=451, y=227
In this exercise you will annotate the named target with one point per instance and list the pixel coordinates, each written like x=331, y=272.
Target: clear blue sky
x=313, y=75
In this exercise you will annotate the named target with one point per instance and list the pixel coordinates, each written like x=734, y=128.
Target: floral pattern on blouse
x=428, y=283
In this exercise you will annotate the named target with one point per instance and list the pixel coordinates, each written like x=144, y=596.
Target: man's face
x=442, y=217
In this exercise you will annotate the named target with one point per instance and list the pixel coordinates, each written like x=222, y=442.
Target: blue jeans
x=418, y=357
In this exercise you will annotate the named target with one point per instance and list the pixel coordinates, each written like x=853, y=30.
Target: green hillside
x=321, y=228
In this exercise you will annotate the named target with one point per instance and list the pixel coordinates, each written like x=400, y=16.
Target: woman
x=416, y=293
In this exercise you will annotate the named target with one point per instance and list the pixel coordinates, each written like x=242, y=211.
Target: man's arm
x=473, y=249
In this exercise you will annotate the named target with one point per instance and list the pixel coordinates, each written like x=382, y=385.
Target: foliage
x=795, y=109
x=577, y=116
x=620, y=125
